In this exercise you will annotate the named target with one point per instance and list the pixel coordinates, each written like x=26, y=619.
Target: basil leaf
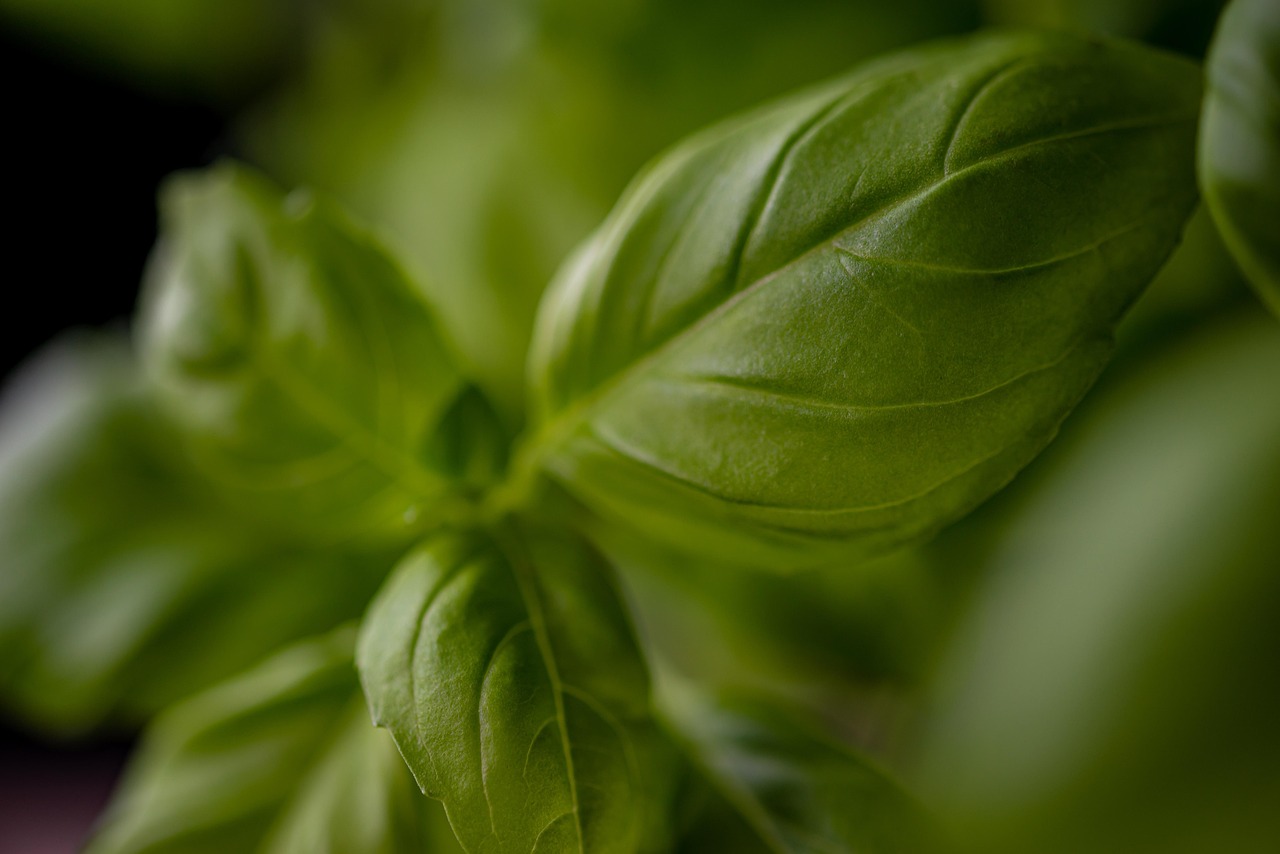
x=509, y=678
x=1110, y=689
x=801, y=791
x=294, y=353
x=123, y=585
x=1240, y=140
x=832, y=326
x=282, y=759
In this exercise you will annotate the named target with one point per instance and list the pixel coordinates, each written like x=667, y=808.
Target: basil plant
x=361, y=608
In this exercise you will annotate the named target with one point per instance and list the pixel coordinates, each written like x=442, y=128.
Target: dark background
x=83, y=155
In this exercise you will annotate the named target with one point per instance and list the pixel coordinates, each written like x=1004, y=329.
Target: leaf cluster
x=665, y=568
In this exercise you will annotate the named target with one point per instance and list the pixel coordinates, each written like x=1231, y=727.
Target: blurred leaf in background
x=489, y=137
x=125, y=585
x=1110, y=690
x=283, y=758
x=1240, y=140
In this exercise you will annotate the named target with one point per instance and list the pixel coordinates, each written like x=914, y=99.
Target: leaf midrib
x=526, y=584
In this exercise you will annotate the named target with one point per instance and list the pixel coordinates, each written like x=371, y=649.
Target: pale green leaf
x=124, y=585
x=1240, y=140
x=508, y=676
x=307, y=374
x=834, y=325
x=281, y=760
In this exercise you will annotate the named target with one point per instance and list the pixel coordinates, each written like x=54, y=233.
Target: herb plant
x=807, y=342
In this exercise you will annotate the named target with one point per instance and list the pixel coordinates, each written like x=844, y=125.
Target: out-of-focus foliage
x=1240, y=140
x=220, y=49
x=309, y=379
x=1182, y=25
x=282, y=760
x=798, y=790
x=866, y=626
x=125, y=585
x=489, y=137
x=1110, y=690
x=1199, y=279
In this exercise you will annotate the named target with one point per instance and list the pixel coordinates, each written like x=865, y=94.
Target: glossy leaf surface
x=281, y=759
x=294, y=353
x=123, y=584
x=800, y=791
x=508, y=675
x=1240, y=140
x=833, y=325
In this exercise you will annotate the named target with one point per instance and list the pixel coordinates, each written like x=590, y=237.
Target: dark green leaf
x=295, y=355
x=508, y=675
x=830, y=327
x=123, y=585
x=282, y=760
x=800, y=791
x=1240, y=140
x=1111, y=689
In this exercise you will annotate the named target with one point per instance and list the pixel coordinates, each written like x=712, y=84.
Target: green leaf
x=1240, y=140
x=800, y=791
x=123, y=584
x=295, y=355
x=832, y=326
x=1111, y=688
x=507, y=673
x=281, y=759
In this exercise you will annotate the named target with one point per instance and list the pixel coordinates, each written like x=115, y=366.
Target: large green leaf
x=123, y=584
x=836, y=324
x=1112, y=689
x=282, y=759
x=1240, y=140
x=508, y=676
x=309, y=377
x=799, y=790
